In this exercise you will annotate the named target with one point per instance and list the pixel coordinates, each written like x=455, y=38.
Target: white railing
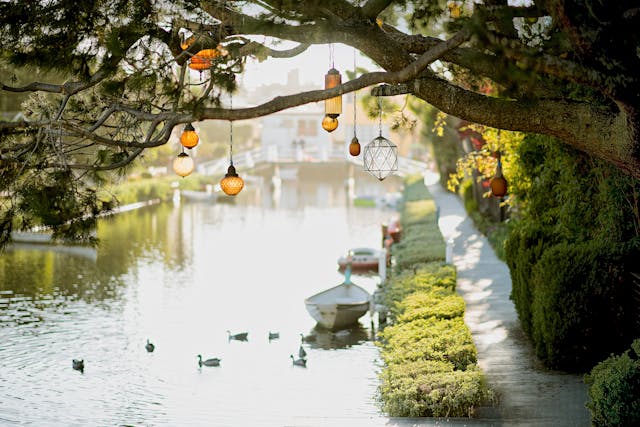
x=273, y=154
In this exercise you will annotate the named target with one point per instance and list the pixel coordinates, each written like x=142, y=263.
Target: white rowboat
x=339, y=306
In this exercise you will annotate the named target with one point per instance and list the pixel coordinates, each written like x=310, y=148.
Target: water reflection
x=181, y=276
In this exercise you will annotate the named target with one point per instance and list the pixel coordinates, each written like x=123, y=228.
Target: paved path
x=529, y=394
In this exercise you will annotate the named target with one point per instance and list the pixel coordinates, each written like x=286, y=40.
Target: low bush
x=614, y=390
x=430, y=391
x=438, y=303
x=447, y=340
x=424, y=278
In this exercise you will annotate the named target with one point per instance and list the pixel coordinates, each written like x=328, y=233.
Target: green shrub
x=438, y=303
x=433, y=393
x=614, y=390
x=447, y=340
x=581, y=304
x=425, y=278
x=523, y=248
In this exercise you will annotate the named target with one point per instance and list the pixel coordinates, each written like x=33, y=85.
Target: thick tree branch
x=258, y=49
x=373, y=8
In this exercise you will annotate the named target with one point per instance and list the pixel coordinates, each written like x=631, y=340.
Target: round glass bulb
x=231, y=184
x=329, y=123
x=189, y=137
x=183, y=165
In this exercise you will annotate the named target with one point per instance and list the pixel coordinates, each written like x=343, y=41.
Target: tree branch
x=373, y=8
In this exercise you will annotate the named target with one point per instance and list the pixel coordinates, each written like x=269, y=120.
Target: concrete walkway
x=529, y=394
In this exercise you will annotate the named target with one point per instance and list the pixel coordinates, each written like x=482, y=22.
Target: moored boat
x=362, y=259
x=340, y=306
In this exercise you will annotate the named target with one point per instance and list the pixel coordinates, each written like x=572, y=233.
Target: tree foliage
x=561, y=68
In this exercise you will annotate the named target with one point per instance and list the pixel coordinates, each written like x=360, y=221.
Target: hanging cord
x=231, y=131
x=355, y=74
x=331, y=55
x=380, y=118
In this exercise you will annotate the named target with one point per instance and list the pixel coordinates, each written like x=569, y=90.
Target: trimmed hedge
x=581, y=304
x=421, y=238
x=614, y=390
x=430, y=359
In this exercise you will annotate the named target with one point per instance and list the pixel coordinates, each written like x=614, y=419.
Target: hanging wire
x=231, y=131
x=331, y=55
x=355, y=74
x=380, y=118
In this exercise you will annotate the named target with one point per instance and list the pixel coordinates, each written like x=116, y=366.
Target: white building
x=296, y=134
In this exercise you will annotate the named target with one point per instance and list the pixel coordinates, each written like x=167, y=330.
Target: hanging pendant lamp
x=498, y=183
x=189, y=137
x=380, y=155
x=332, y=106
x=354, y=146
x=231, y=183
x=183, y=165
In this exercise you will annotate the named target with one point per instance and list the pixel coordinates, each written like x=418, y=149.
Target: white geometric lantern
x=380, y=157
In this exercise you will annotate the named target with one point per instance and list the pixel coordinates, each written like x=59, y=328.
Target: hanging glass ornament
x=498, y=183
x=380, y=155
x=354, y=147
x=183, y=165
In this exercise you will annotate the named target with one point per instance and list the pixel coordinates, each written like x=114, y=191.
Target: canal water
x=182, y=275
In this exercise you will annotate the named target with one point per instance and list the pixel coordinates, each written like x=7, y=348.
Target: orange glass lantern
x=199, y=64
x=189, y=137
x=333, y=106
x=207, y=54
x=498, y=183
x=354, y=147
x=183, y=165
x=231, y=184
x=329, y=123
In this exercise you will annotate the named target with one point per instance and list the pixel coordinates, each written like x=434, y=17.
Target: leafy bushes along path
x=614, y=389
x=430, y=359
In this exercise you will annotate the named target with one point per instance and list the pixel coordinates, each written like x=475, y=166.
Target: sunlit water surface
x=182, y=276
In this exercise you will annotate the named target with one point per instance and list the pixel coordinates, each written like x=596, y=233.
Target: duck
x=241, y=336
x=209, y=362
x=78, y=365
x=150, y=347
x=308, y=338
x=298, y=362
x=274, y=335
x=301, y=352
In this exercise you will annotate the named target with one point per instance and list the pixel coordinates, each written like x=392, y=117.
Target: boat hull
x=339, y=307
x=337, y=316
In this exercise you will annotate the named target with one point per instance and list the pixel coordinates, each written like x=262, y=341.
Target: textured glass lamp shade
x=354, y=147
x=333, y=106
x=498, y=183
x=380, y=157
x=231, y=184
x=199, y=64
x=189, y=137
x=183, y=165
x=329, y=123
x=207, y=54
